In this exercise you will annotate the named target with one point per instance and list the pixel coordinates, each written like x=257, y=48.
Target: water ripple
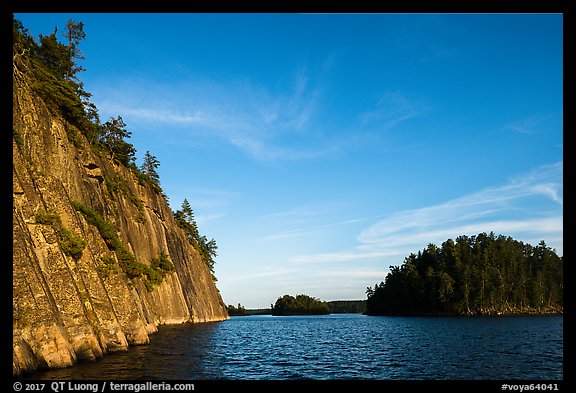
x=346, y=346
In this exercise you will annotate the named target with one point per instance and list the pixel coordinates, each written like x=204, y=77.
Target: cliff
x=71, y=298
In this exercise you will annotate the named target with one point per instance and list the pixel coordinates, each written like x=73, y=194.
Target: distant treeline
x=334, y=307
x=484, y=274
x=347, y=306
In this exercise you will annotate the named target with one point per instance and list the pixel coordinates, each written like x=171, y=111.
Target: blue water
x=341, y=346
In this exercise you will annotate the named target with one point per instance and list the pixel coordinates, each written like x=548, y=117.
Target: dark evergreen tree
x=53, y=55
x=206, y=248
x=113, y=134
x=185, y=218
x=74, y=34
x=149, y=167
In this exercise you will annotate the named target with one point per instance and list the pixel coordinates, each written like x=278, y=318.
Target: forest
x=299, y=305
x=473, y=275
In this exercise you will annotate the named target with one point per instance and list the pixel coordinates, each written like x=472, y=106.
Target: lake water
x=340, y=346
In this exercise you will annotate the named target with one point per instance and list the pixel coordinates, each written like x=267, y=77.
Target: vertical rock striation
x=68, y=305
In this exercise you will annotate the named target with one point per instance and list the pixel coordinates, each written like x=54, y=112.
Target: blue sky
x=319, y=149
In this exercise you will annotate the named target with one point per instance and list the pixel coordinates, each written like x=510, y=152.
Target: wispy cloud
x=255, y=119
x=306, y=221
x=393, y=108
x=288, y=234
x=281, y=123
x=486, y=204
x=505, y=209
x=531, y=125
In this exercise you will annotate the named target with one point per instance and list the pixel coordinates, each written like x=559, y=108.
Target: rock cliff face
x=69, y=306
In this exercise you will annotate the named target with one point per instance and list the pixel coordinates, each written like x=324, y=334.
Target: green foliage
x=127, y=261
x=162, y=264
x=149, y=167
x=154, y=274
x=481, y=274
x=299, y=305
x=106, y=266
x=185, y=219
x=112, y=135
x=46, y=218
x=52, y=68
x=126, y=258
x=21, y=39
x=53, y=55
x=106, y=229
x=206, y=248
x=159, y=268
x=69, y=243
x=149, y=286
x=146, y=181
x=60, y=93
x=118, y=184
x=74, y=34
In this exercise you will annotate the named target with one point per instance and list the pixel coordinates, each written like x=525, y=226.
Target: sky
x=318, y=150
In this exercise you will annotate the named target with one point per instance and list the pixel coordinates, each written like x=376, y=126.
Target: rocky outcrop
x=73, y=305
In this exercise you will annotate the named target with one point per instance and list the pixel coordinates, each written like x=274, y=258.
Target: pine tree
x=112, y=135
x=53, y=55
x=74, y=33
x=185, y=218
x=207, y=249
x=149, y=167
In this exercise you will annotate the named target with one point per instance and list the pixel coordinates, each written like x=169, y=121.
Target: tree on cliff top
x=74, y=34
x=206, y=248
x=113, y=134
x=149, y=166
x=51, y=68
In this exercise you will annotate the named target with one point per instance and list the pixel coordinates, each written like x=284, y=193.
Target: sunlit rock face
x=72, y=305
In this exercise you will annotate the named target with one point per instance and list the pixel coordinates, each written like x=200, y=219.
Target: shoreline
x=480, y=313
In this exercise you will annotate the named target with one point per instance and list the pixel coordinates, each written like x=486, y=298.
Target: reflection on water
x=345, y=346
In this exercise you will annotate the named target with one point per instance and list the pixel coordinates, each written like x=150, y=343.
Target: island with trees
x=299, y=305
x=473, y=275
x=236, y=311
